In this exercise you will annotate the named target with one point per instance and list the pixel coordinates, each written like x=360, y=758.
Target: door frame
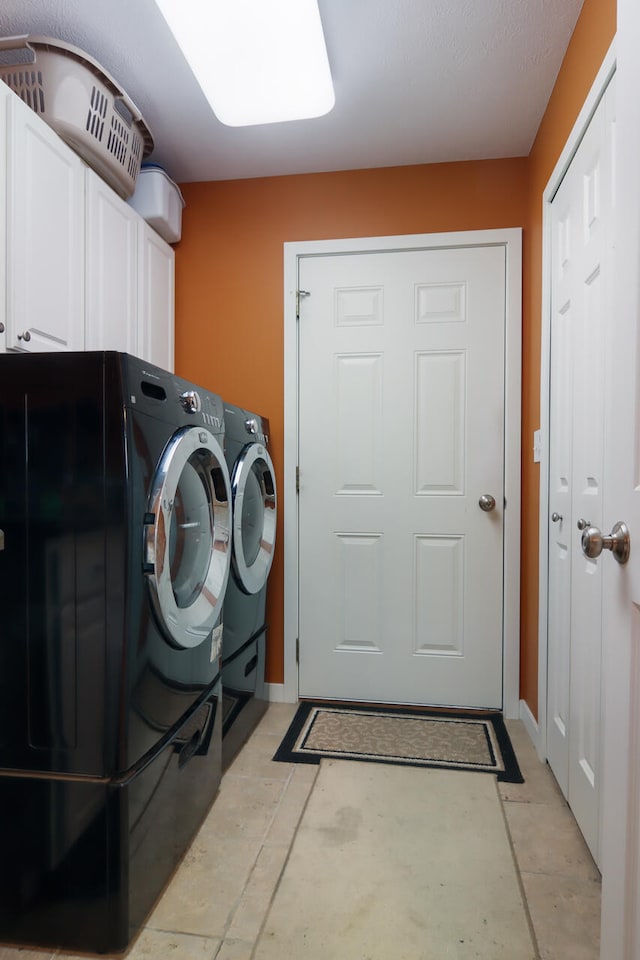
x=538, y=730
x=511, y=240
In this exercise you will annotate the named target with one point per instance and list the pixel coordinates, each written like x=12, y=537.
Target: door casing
x=293, y=251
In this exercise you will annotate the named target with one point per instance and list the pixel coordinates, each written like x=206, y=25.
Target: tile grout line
x=525, y=903
x=233, y=912
x=284, y=866
x=261, y=846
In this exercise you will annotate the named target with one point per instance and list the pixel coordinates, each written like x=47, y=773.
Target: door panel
x=402, y=430
x=45, y=230
x=111, y=269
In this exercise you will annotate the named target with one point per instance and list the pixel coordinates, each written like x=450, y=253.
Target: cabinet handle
x=26, y=336
x=1, y=327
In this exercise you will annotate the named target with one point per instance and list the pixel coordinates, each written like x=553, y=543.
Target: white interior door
x=401, y=400
x=620, y=938
x=581, y=288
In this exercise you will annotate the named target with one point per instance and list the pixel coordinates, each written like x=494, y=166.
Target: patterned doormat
x=448, y=739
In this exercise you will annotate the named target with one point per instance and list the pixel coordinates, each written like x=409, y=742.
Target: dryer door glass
x=187, y=534
x=191, y=531
x=254, y=517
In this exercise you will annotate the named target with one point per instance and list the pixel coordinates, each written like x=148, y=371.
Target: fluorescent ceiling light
x=257, y=61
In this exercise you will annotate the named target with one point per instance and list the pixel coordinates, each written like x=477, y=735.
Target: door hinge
x=299, y=294
x=297, y=479
x=297, y=649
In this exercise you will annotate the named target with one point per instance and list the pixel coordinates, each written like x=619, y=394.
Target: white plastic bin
x=159, y=201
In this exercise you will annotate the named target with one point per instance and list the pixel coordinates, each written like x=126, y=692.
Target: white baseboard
x=530, y=722
x=531, y=726
x=276, y=694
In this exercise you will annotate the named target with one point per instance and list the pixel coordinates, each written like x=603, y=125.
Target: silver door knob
x=619, y=542
x=583, y=524
x=26, y=336
x=487, y=502
x=556, y=517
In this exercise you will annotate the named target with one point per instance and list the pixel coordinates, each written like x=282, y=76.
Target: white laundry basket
x=159, y=201
x=83, y=104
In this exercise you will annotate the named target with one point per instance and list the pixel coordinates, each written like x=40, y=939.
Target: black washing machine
x=114, y=559
x=253, y=491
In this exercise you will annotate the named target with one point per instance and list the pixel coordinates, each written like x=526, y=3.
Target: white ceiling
x=416, y=81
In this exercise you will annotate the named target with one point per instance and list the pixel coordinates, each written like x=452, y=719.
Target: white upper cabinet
x=45, y=232
x=111, y=317
x=156, y=298
x=79, y=268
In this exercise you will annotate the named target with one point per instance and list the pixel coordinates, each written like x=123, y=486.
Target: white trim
x=289, y=495
x=512, y=473
x=512, y=240
x=584, y=117
x=275, y=693
x=530, y=723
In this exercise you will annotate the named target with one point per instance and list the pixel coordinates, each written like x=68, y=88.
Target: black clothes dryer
x=253, y=491
x=114, y=560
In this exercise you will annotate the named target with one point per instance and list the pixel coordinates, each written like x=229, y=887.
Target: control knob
x=191, y=401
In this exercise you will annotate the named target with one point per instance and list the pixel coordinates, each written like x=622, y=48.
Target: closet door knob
x=618, y=541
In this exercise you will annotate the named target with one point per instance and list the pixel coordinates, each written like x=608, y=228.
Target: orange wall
x=591, y=39
x=229, y=273
x=229, y=277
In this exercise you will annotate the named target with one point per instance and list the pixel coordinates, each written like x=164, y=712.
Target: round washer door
x=254, y=517
x=186, y=536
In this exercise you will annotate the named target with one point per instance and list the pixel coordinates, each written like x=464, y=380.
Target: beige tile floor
x=216, y=904
x=402, y=863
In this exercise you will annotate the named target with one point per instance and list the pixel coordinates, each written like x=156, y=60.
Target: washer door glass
x=254, y=517
x=186, y=536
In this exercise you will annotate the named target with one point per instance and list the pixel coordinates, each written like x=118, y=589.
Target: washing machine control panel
x=251, y=426
x=191, y=401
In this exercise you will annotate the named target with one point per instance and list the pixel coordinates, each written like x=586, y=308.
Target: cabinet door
x=111, y=321
x=45, y=236
x=156, y=298
x=4, y=96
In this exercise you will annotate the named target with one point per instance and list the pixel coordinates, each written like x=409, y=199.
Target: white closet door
x=581, y=282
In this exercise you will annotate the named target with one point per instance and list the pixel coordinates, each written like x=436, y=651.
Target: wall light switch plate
x=537, y=446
